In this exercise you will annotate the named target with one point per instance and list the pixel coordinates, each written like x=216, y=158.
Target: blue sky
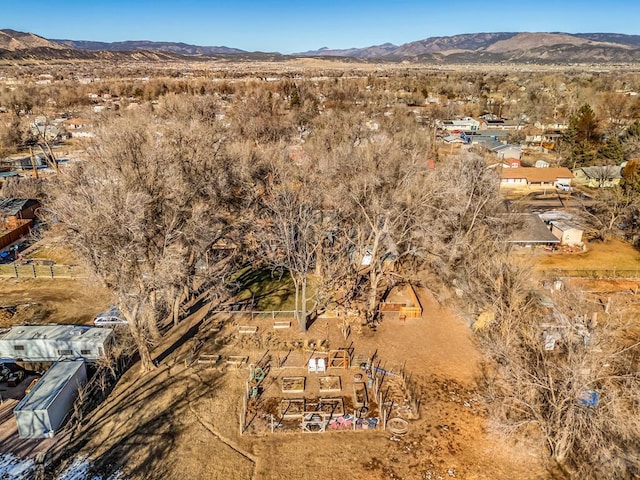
x=287, y=26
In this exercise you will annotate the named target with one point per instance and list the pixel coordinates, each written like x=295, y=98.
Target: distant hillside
x=505, y=47
x=129, y=46
x=369, y=52
x=11, y=40
x=27, y=46
x=48, y=53
x=514, y=47
x=619, y=38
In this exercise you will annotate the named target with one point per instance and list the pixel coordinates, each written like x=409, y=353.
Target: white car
x=110, y=318
x=563, y=187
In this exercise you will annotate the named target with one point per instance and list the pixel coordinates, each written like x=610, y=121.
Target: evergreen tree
x=611, y=152
x=582, y=137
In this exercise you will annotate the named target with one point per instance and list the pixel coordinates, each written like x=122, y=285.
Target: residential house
x=551, y=125
x=75, y=123
x=455, y=139
x=602, y=176
x=511, y=163
x=507, y=151
x=463, y=124
x=492, y=138
x=531, y=176
x=502, y=124
x=542, y=140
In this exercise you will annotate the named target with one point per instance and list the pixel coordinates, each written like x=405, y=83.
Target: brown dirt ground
x=57, y=253
x=183, y=423
x=51, y=300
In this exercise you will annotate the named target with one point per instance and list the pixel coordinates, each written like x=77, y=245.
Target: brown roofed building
x=523, y=176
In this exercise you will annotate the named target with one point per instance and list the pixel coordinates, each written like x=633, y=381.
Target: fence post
x=15, y=270
x=33, y=268
x=51, y=269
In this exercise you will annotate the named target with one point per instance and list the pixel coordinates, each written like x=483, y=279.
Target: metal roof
x=50, y=385
x=563, y=226
x=57, y=332
x=13, y=206
x=533, y=230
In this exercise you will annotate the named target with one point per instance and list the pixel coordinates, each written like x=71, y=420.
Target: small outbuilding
x=568, y=235
x=41, y=413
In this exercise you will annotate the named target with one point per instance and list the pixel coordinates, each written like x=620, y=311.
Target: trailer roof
x=50, y=385
x=57, y=332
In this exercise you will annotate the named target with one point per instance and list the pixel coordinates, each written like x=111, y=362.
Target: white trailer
x=49, y=343
x=44, y=409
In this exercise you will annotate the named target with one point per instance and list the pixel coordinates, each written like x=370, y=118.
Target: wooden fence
x=23, y=228
x=41, y=271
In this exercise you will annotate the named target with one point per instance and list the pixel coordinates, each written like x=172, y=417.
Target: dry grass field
x=614, y=254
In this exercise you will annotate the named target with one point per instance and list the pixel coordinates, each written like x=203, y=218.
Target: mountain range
x=555, y=47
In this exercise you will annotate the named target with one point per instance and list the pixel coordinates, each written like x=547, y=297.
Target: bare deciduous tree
x=571, y=378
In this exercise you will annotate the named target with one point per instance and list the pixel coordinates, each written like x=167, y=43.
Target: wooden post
x=384, y=418
x=272, y=421
x=33, y=268
x=33, y=163
x=354, y=420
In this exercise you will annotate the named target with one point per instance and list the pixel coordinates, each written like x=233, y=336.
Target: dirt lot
x=50, y=301
x=181, y=422
x=615, y=253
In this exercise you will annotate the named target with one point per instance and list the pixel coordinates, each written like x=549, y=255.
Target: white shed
x=48, y=343
x=43, y=410
x=567, y=234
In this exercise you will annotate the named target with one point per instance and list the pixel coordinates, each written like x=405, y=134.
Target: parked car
x=112, y=317
x=563, y=187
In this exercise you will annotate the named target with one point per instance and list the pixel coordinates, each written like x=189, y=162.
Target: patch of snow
x=80, y=470
x=14, y=468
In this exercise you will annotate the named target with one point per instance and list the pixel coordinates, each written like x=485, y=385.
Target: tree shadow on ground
x=265, y=289
x=141, y=423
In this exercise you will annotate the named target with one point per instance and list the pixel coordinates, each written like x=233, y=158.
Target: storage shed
x=567, y=234
x=48, y=343
x=41, y=413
